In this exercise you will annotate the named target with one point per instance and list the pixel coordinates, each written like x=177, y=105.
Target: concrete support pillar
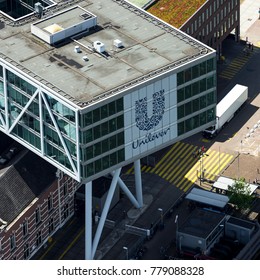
x=138, y=182
x=88, y=221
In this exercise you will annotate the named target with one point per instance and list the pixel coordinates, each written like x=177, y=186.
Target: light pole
x=161, y=216
x=200, y=169
x=126, y=252
x=177, y=229
x=238, y=171
x=218, y=161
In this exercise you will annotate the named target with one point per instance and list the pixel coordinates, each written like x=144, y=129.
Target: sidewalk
x=249, y=18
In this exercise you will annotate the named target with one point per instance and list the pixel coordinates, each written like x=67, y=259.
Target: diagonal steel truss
x=40, y=97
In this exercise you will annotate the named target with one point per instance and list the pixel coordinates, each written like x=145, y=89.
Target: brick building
x=35, y=202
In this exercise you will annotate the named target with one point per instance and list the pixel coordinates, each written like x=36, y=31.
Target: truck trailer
x=227, y=108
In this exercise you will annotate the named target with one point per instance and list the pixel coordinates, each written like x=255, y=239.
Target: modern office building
x=209, y=21
x=93, y=89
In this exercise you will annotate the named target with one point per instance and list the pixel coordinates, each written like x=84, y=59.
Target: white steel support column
x=77, y=144
x=128, y=193
x=88, y=221
x=41, y=124
x=105, y=211
x=138, y=182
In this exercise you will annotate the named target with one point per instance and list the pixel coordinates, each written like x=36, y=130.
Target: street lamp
x=177, y=229
x=161, y=216
x=202, y=170
x=238, y=171
x=126, y=252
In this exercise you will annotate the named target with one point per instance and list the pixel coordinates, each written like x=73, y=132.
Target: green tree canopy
x=239, y=194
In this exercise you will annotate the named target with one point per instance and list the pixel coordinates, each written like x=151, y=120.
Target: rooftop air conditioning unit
x=118, y=43
x=99, y=46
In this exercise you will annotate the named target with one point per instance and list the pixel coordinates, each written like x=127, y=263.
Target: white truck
x=227, y=108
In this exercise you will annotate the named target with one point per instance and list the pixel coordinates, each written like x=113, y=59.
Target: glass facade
x=102, y=138
x=95, y=140
x=101, y=134
x=196, y=96
x=28, y=128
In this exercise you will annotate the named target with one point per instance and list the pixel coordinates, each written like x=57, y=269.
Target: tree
x=239, y=194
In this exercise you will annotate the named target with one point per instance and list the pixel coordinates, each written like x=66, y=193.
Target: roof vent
x=118, y=43
x=77, y=49
x=99, y=46
x=85, y=16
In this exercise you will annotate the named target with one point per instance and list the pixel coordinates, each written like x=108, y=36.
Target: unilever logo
x=143, y=122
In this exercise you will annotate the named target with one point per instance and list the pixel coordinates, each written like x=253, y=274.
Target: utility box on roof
x=99, y=46
x=118, y=43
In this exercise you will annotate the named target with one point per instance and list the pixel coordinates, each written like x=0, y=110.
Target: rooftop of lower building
x=201, y=222
x=175, y=12
x=22, y=180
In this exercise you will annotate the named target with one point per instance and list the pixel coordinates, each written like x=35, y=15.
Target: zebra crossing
x=237, y=64
x=180, y=168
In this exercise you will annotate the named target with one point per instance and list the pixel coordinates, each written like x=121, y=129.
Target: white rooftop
x=223, y=183
x=207, y=197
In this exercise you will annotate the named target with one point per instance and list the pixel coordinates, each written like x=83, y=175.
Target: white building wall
x=157, y=123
